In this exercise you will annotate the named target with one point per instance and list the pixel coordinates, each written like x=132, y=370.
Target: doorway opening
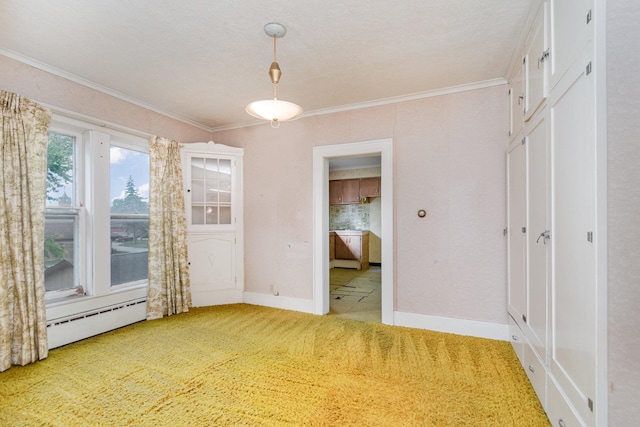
x=355, y=290
x=323, y=156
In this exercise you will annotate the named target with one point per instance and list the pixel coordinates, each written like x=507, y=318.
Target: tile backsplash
x=349, y=217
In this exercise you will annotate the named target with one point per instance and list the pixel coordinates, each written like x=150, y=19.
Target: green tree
x=132, y=203
x=59, y=162
x=53, y=251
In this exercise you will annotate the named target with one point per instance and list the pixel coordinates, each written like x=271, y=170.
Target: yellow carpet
x=247, y=365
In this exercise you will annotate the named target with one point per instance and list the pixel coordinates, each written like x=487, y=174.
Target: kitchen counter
x=350, y=248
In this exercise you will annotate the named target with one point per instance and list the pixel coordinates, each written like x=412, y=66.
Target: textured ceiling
x=204, y=60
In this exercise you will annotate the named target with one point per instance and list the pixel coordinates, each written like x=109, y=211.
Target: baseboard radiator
x=84, y=325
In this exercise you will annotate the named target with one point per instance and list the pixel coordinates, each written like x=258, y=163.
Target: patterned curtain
x=169, y=290
x=23, y=163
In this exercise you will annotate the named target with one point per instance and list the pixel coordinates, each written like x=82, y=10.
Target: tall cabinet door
x=516, y=231
x=535, y=60
x=573, y=293
x=570, y=31
x=538, y=245
x=212, y=176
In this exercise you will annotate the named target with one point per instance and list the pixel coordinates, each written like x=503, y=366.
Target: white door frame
x=321, y=157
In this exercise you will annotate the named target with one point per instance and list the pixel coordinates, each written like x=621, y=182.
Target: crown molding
x=385, y=101
x=100, y=88
x=411, y=97
x=348, y=107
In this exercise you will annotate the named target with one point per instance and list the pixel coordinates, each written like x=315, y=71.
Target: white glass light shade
x=274, y=110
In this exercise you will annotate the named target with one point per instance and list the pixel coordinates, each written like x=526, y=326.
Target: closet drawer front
x=517, y=339
x=558, y=410
x=537, y=374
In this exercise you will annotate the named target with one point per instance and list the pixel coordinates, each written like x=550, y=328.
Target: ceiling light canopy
x=275, y=110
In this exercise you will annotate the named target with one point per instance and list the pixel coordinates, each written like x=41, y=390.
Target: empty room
x=319, y=213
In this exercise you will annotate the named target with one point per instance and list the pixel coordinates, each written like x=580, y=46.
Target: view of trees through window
x=129, y=215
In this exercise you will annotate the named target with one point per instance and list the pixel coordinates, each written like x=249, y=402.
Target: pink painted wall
x=56, y=91
x=623, y=105
x=449, y=158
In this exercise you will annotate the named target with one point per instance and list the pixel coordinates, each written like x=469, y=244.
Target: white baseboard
x=208, y=297
x=285, y=303
x=474, y=328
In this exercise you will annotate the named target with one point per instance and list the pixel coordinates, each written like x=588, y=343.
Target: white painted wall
x=448, y=159
x=623, y=111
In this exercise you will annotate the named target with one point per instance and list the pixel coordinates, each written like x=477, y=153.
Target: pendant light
x=274, y=110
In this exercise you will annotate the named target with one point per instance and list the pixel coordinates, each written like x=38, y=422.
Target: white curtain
x=169, y=289
x=23, y=159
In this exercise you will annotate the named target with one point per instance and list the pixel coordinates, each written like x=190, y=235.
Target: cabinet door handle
x=514, y=337
x=546, y=236
x=561, y=423
x=532, y=369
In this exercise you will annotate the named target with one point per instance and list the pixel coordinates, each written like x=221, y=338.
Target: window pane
x=210, y=191
x=129, y=249
x=225, y=192
x=61, y=226
x=60, y=237
x=211, y=171
x=225, y=215
x=60, y=170
x=212, y=214
x=129, y=183
x=225, y=169
x=197, y=168
x=197, y=214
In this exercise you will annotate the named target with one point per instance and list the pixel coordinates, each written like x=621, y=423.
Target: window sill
x=74, y=305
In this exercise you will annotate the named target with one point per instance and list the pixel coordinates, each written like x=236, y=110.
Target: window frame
x=92, y=165
x=80, y=243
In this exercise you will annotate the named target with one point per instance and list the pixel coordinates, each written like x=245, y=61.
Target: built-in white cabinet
x=516, y=100
x=538, y=233
x=212, y=176
x=529, y=234
x=517, y=229
x=571, y=25
x=573, y=299
x=535, y=60
x=529, y=81
x=556, y=318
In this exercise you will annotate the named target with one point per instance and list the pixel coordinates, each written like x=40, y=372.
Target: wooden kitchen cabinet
x=370, y=187
x=332, y=246
x=344, y=191
x=335, y=192
x=350, y=191
x=351, y=249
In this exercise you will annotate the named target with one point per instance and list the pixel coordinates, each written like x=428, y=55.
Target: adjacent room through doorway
x=355, y=237
x=353, y=230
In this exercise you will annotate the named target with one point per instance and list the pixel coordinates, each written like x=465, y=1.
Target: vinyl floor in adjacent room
x=356, y=294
